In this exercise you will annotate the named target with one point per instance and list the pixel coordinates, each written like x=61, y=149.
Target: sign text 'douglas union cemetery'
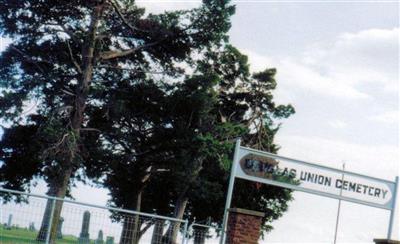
x=307, y=177
x=268, y=168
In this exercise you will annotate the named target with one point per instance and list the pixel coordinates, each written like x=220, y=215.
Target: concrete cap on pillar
x=247, y=212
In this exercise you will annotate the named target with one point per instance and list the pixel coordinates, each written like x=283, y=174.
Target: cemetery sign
x=268, y=168
x=297, y=175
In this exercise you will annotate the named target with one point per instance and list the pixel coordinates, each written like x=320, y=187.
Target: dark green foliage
x=115, y=105
x=48, y=62
x=197, y=121
x=243, y=100
x=70, y=56
x=20, y=155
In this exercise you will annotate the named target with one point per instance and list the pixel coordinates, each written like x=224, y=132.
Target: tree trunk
x=172, y=233
x=158, y=232
x=131, y=227
x=58, y=188
x=46, y=216
x=88, y=62
x=180, y=205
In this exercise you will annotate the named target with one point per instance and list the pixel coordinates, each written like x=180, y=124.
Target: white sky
x=338, y=65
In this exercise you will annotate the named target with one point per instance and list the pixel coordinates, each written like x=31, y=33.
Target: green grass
x=20, y=235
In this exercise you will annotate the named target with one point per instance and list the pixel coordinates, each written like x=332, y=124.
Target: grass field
x=24, y=236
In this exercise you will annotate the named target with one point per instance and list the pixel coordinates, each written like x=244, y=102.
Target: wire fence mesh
x=202, y=234
x=33, y=221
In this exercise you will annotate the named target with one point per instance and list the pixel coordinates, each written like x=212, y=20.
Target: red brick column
x=243, y=226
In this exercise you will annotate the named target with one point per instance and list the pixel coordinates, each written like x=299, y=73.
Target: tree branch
x=132, y=69
x=67, y=92
x=118, y=54
x=65, y=30
x=29, y=59
x=119, y=12
x=91, y=129
x=78, y=68
x=70, y=34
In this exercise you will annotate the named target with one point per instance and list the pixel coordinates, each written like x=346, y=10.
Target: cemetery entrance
x=267, y=168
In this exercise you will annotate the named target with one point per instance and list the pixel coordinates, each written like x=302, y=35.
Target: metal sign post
x=268, y=168
x=230, y=190
x=338, y=211
x=392, y=211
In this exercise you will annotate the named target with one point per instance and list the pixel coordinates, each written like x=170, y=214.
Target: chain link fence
x=32, y=221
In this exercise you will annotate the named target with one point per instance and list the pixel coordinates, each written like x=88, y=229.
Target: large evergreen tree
x=187, y=128
x=244, y=101
x=64, y=54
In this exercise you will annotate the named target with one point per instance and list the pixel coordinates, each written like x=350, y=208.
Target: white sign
x=272, y=169
x=303, y=176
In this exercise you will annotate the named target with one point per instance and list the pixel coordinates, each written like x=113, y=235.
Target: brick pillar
x=244, y=226
x=386, y=241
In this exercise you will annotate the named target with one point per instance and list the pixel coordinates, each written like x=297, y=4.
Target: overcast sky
x=338, y=65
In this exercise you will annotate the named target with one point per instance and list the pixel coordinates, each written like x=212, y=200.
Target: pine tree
x=244, y=107
x=65, y=56
x=187, y=129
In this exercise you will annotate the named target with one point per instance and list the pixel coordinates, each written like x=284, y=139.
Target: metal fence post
x=185, y=228
x=1, y=209
x=53, y=205
x=392, y=211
